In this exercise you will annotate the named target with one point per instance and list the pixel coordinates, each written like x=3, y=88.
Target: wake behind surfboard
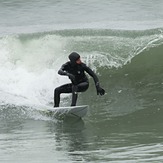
x=62, y=112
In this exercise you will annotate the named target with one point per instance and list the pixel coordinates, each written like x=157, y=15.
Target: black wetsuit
x=79, y=84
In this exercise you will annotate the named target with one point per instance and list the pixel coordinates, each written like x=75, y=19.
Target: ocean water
x=122, y=41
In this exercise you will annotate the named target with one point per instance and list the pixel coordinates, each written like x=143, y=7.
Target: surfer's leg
x=78, y=88
x=66, y=88
x=56, y=97
x=74, y=95
x=82, y=87
x=69, y=88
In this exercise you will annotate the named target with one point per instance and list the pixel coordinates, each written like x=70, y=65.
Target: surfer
x=75, y=69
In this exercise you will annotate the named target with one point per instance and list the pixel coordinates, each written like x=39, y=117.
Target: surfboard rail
x=67, y=111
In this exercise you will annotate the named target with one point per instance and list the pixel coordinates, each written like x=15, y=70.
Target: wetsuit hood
x=74, y=57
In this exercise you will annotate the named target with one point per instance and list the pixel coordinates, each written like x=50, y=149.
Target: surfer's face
x=78, y=61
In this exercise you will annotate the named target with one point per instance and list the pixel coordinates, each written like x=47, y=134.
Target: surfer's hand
x=71, y=77
x=100, y=91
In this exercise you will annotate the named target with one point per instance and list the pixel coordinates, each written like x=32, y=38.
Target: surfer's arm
x=62, y=70
x=92, y=74
x=100, y=90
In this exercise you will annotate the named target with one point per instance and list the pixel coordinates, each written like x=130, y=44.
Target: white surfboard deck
x=68, y=111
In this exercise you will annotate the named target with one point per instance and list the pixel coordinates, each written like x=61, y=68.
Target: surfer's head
x=74, y=58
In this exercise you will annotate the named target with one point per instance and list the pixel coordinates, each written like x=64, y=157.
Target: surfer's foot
x=73, y=105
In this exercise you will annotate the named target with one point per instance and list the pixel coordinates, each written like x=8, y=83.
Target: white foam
x=29, y=70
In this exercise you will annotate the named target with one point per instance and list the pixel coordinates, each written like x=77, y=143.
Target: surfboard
x=68, y=111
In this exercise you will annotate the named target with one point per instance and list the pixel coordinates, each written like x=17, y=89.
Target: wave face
x=129, y=65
